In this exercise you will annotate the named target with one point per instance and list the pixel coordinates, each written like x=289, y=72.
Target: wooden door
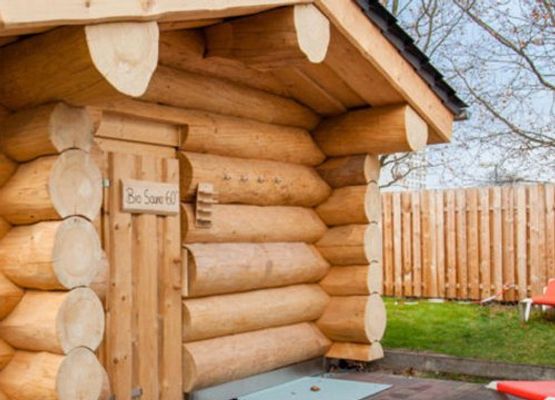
x=143, y=332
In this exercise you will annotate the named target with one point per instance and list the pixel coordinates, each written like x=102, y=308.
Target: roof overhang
x=396, y=79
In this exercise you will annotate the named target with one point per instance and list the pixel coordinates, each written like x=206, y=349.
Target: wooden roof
x=370, y=64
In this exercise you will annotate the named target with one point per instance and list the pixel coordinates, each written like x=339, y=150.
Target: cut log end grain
x=353, y=280
x=242, y=223
x=313, y=32
x=76, y=185
x=242, y=355
x=352, y=245
x=54, y=187
x=10, y=295
x=6, y=354
x=350, y=170
x=125, y=53
x=56, y=322
x=45, y=130
x=46, y=376
x=237, y=267
x=255, y=182
x=356, y=351
x=352, y=205
x=358, y=319
x=215, y=316
x=52, y=255
x=379, y=130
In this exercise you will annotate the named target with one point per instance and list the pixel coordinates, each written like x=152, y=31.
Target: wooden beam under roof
x=17, y=17
x=374, y=46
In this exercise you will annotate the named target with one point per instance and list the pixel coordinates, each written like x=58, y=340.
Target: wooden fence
x=469, y=243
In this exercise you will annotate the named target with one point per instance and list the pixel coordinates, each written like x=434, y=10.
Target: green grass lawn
x=468, y=330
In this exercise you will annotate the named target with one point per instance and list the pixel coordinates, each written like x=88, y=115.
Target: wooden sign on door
x=144, y=197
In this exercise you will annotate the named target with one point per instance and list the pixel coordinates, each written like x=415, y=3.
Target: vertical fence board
x=508, y=241
x=533, y=241
x=440, y=243
x=550, y=230
x=388, y=248
x=472, y=237
x=397, y=246
x=496, y=227
x=521, y=241
x=485, y=250
x=451, y=244
x=416, y=244
x=462, y=244
x=388, y=244
x=540, y=210
x=406, y=243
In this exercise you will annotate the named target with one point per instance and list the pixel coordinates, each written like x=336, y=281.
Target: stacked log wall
x=252, y=268
x=51, y=322
x=355, y=318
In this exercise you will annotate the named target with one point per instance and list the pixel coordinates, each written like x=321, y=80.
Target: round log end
x=373, y=243
x=313, y=32
x=373, y=203
x=80, y=376
x=125, y=53
x=10, y=296
x=71, y=127
x=77, y=253
x=416, y=130
x=80, y=321
x=7, y=168
x=6, y=354
x=375, y=318
x=76, y=185
x=190, y=373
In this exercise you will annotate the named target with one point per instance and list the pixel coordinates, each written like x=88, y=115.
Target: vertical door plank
x=120, y=290
x=451, y=244
x=462, y=243
x=496, y=239
x=440, y=243
x=550, y=230
x=416, y=244
x=388, y=248
x=533, y=241
x=171, y=387
x=508, y=241
x=473, y=244
x=397, y=246
x=146, y=289
x=520, y=234
x=406, y=243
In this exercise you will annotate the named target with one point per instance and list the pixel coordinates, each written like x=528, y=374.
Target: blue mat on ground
x=318, y=388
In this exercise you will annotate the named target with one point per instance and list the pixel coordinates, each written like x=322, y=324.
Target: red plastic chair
x=529, y=390
x=546, y=300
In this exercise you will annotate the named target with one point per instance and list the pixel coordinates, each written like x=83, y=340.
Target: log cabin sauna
x=188, y=190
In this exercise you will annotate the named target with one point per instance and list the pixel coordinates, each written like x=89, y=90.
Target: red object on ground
x=548, y=298
x=529, y=390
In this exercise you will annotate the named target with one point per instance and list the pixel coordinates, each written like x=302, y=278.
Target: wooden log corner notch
x=272, y=39
x=98, y=62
